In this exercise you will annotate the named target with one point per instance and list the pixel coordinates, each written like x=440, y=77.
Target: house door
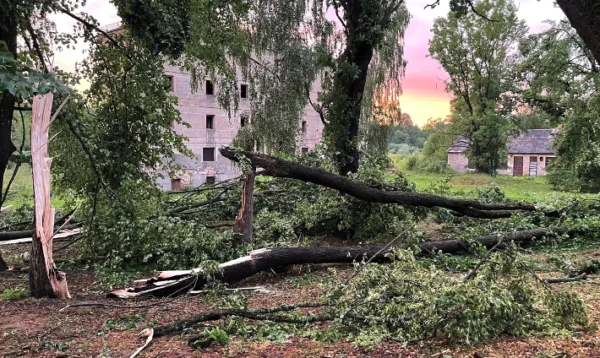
x=533, y=166
x=518, y=166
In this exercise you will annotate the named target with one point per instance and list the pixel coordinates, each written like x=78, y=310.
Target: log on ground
x=170, y=283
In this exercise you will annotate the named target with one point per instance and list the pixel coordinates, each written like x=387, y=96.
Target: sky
x=423, y=95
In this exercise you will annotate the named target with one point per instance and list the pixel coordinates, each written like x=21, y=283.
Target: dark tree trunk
x=8, y=34
x=584, y=16
x=341, y=131
x=244, y=223
x=282, y=168
x=3, y=265
x=264, y=259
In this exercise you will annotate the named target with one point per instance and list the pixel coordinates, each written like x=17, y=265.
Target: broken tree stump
x=44, y=279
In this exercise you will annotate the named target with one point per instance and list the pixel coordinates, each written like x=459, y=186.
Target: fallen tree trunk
x=23, y=234
x=282, y=168
x=179, y=282
x=244, y=222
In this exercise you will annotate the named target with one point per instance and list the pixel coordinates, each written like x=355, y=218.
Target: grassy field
x=517, y=188
x=21, y=190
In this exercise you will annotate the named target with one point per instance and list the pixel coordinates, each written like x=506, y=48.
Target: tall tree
x=584, y=16
x=559, y=75
x=477, y=50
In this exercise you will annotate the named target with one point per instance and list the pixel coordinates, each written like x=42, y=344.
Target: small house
x=529, y=152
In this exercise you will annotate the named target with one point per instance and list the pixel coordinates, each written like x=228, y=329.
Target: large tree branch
x=584, y=16
x=169, y=283
x=282, y=168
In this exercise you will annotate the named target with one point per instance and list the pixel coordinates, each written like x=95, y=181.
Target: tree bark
x=244, y=222
x=3, y=265
x=584, y=16
x=179, y=282
x=44, y=279
x=8, y=34
x=282, y=168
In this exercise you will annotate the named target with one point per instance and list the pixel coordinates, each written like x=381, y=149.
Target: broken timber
x=179, y=282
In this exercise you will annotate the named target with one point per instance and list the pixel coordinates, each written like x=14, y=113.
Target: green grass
x=21, y=190
x=516, y=188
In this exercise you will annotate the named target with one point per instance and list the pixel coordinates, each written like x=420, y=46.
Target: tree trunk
x=584, y=16
x=44, y=279
x=282, y=168
x=8, y=34
x=179, y=282
x=244, y=223
x=3, y=265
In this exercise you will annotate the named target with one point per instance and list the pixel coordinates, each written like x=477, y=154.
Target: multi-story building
x=211, y=128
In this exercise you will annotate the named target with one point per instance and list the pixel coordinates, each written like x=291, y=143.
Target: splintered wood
x=45, y=280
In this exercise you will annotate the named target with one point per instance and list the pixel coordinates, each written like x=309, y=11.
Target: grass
x=525, y=188
x=21, y=190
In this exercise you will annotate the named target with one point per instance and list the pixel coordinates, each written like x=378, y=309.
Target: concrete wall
x=458, y=162
x=195, y=106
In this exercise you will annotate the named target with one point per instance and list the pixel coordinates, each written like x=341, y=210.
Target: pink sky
x=423, y=95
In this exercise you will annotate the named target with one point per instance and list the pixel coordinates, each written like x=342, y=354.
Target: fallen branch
x=167, y=282
x=25, y=234
x=258, y=314
x=286, y=169
x=581, y=277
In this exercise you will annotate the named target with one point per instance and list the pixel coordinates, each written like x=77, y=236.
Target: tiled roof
x=537, y=141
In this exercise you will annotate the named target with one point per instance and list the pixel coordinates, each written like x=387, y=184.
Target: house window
x=210, y=90
x=243, y=120
x=210, y=121
x=550, y=160
x=244, y=91
x=208, y=154
x=303, y=126
x=304, y=150
x=541, y=159
x=176, y=184
x=169, y=83
x=210, y=180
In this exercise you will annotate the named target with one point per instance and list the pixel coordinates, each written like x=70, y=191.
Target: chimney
x=559, y=127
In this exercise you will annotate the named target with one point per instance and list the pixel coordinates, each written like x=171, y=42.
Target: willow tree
x=477, y=50
x=283, y=47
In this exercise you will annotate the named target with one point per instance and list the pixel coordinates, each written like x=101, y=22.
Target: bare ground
x=37, y=328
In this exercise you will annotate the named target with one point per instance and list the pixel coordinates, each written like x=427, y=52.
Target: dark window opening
x=210, y=121
x=210, y=180
x=303, y=126
x=243, y=120
x=550, y=160
x=176, y=184
x=169, y=83
x=208, y=154
x=244, y=91
x=210, y=90
x=541, y=159
x=304, y=150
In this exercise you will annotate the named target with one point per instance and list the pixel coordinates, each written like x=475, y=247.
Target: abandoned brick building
x=210, y=127
x=529, y=152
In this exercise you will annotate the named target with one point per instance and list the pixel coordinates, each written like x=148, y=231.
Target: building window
x=210, y=89
x=304, y=150
x=208, y=154
x=176, y=184
x=210, y=121
x=244, y=91
x=210, y=180
x=550, y=160
x=541, y=159
x=169, y=83
x=303, y=126
x=243, y=120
